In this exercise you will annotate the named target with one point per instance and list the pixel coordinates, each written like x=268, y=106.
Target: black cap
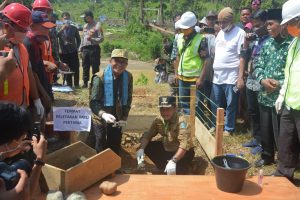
x=167, y=101
x=212, y=14
x=88, y=13
x=260, y=14
x=274, y=14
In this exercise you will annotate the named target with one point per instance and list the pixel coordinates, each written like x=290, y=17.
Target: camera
x=34, y=131
x=9, y=173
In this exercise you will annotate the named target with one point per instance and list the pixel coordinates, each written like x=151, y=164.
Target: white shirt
x=227, y=59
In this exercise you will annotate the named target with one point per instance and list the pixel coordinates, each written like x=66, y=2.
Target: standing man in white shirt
x=228, y=69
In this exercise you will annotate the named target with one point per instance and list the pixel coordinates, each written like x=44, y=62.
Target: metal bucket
x=230, y=179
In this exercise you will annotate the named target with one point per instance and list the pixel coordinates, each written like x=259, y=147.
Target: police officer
x=175, y=153
x=289, y=137
x=92, y=37
x=111, y=97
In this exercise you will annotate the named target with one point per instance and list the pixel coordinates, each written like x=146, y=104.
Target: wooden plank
x=149, y=187
x=219, y=132
x=193, y=109
x=160, y=29
x=54, y=177
x=206, y=140
x=92, y=170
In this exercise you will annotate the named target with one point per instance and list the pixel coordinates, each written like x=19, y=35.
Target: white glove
x=171, y=168
x=108, y=118
x=279, y=103
x=39, y=107
x=140, y=156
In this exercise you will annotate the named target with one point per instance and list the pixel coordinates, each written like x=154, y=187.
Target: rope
x=211, y=101
x=158, y=96
x=198, y=100
x=204, y=122
x=198, y=114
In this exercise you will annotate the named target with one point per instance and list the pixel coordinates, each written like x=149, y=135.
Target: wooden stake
x=192, y=108
x=219, y=131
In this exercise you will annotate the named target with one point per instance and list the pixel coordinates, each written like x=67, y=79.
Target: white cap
x=290, y=10
x=187, y=20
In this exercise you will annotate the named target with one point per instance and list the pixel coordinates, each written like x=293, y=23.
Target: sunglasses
x=16, y=27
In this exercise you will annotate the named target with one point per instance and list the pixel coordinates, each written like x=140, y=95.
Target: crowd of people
x=251, y=63
x=256, y=58
x=34, y=50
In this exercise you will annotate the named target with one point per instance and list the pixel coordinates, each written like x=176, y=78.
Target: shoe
x=262, y=162
x=251, y=143
x=85, y=85
x=212, y=130
x=226, y=133
x=256, y=150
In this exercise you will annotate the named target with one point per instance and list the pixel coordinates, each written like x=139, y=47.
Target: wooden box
x=77, y=166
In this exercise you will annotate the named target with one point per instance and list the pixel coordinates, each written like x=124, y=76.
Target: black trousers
x=289, y=142
x=105, y=136
x=253, y=113
x=90, y=56
x=269, y=127
x=73, y=61
x=156, y=152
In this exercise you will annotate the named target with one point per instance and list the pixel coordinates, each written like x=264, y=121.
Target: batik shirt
x=270, y=65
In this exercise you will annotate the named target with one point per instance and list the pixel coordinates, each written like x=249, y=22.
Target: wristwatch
x=39, y=162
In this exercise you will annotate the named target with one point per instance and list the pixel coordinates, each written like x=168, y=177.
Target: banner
x=72, y=119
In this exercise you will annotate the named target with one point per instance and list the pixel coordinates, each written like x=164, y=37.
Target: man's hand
x=240, y=83
x=108, y=118
x=39, y=147
x=199, y=83
x=91, y=34
x=3, y=41
x=270, y=85
x=39, y=108
x=64, y=67
x=20, y=191
x=170, y=168
x=7, y=65
x=50, y=66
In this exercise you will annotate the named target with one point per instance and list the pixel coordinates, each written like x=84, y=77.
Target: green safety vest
x=190, y=64
x=292, y=74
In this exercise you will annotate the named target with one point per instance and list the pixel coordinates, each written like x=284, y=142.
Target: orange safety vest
x=47, y=55
x=16, y=87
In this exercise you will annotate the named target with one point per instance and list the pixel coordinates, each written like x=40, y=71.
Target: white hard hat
x=187, y=20
x=290, y=10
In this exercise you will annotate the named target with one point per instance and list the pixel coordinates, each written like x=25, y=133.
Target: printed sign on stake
x=72, y=119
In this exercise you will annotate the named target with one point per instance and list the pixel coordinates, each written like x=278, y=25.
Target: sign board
x=72, y=119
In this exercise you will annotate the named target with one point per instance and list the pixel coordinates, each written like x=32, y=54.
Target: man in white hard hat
x=288, y=100
x=192, y=64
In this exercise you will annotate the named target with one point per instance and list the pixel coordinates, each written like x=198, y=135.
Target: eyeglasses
x=17, y=28
x=294, y=21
